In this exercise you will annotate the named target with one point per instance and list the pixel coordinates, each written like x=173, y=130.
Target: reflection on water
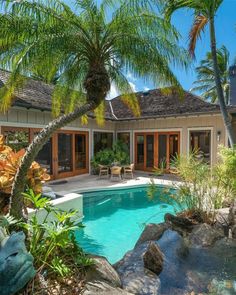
x=202, y=270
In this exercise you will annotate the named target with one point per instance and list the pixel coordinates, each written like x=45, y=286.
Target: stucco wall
x=182, y=124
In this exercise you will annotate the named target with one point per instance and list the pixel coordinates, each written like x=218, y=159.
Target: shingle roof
x=153, y=103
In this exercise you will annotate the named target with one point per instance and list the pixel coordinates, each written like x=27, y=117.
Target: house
x=167, y=126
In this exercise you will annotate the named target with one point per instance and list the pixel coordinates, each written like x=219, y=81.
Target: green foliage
x=52, y=241
x=205, y=82
x=226, y=169
x=118, y=154
x=204, y=189
x=151, y=190
x=72, y=48
x=6, y=222
x=159, y=171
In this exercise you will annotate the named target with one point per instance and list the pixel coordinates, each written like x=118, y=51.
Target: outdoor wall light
x=218, y=135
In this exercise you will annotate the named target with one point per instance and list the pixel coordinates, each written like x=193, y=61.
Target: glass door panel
x=80, y=151
x=64, y=153
x=173, y=146
x=162, y=150
x=44, y=157
x=150, y=151
x=140, y=150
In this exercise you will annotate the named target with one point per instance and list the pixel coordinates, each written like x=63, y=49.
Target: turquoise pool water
x=114, y=219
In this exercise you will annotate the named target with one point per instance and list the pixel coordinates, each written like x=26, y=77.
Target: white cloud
x=133, y=86
x=131, y=77
x=113, y=92
x=146, y=88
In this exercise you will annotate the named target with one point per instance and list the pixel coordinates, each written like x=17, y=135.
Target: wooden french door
x=156, y=149
x=65, y=154
x=144, y=151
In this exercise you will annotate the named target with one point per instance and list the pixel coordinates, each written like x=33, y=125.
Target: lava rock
x=102, y=288
x=204, y=235
x=134, y=276
x=152, y=232
x=103, y=271
x=153, y=258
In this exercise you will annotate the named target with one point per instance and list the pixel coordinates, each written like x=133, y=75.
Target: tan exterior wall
x=182, y=124
x=19, y=117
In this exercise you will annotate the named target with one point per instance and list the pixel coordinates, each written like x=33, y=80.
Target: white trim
x=30, y=125
x=201, y=129
x=158, y=130
x=166, y=118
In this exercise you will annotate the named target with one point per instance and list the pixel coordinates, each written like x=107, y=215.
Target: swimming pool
x=114, y=219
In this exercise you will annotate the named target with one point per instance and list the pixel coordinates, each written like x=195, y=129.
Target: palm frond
x=200, y=22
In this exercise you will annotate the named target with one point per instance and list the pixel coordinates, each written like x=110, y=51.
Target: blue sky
x=226, y=35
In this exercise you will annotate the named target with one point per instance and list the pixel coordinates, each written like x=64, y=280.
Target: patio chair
x=103, y=171
x=128, y=171
x=116, y=172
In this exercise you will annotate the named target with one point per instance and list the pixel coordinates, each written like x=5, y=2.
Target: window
x=16, y=138
x=125, y=138
x=102, y=140
x=200, y=143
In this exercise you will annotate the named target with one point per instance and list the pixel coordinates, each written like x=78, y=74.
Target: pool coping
x=162, y=183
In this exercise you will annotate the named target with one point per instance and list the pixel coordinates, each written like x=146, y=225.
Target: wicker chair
x=116, y=173
x=103, y=171
x=128, y=171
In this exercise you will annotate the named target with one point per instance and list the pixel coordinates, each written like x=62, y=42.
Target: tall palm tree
x=90, y=47
x=205, y=82
x=204, y=14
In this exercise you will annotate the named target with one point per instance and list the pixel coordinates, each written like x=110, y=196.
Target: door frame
x=156, y=147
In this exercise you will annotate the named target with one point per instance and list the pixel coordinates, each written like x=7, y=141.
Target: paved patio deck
x=88, y=182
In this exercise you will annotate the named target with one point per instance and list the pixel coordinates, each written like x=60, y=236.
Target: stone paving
x=88, y=182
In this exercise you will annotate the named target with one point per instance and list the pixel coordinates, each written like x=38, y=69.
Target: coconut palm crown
x=89, y=47
x=204, y=12
x=205, y=83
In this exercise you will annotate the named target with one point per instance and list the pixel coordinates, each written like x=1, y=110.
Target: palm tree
x=204, y=14
x=205, y=82
x=89, y=48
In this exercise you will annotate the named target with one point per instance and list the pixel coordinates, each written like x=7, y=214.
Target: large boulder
x=153, y=258
x=134, y=276
x=152, y=232
x=102, y=279
x=103, y=271
x=205, y=235
x=102, y=288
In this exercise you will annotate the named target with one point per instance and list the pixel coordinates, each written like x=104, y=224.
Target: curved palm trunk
x=226, y=116
x=32, y=151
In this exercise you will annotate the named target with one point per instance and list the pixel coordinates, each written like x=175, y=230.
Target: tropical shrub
x=118, y=154
x=203, y=189
x=9, y=163
x=226, y=169
x=52, y=242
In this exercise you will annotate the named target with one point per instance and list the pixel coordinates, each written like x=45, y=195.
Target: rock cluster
x=169, y=260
